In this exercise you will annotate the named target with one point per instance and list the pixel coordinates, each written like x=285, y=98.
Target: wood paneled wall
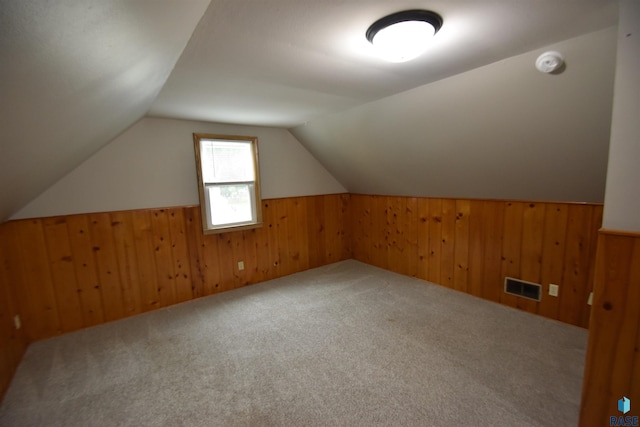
x=71, y=272
x=613, y=360
x=471, y=245
x=13, y=343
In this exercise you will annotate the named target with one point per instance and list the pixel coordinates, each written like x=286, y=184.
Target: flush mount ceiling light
x=403, y=36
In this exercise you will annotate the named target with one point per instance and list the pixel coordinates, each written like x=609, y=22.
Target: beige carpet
x=342, y=345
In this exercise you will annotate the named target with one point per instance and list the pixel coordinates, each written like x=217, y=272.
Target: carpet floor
x=342, y=345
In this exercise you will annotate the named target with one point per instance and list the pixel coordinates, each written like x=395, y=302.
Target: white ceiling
x=76, y=73
x=286, y=62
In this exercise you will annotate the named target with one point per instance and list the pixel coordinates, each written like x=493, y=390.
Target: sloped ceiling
x=287, y=62
x=502, y=131
x=75, y=74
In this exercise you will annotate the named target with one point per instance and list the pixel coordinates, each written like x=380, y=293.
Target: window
x=228, y=182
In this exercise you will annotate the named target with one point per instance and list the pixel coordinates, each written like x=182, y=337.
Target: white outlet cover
x=240, y=265
x=553, y=290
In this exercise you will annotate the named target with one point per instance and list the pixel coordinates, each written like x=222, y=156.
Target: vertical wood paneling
x=163, y=257
x=461, y=261
x=297, y=236
x=394, y=232
x=476, y=255
x=86, y=269
x=195, y=241
x=35, y=293
x=423, y=238
x=13, y=342
x=251, y=272
x=512, y=248
x=346, y=233
x=472, y=245
x=612, y=368
x=403, y=241
x=447, y=244
x=435, y=236
x=145, y=250
x=180, y=255
x=122, y=228
x=531, y=252
x=237, y=241
x=380, y=240
x=62, y=273
x=493, y=219
x=212, y=265
x=315, y=228
x=264, y=248
x=411, y=236
x=76, y=271
x=553, y=247
x=576, y=265
x=596, y=222
x=335, y=216
x=104, y=250
x=532, y=237
x=68, y=272
x=271, y=228
x=81, y=270
x=228, y=279
x=282, y=233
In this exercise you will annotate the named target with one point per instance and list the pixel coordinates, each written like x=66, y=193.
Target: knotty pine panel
x=471, y=245
x=492, y=221
x=13, y=342
x=70, y=272
x=461, y=246
x=124, y=238
x=612, y=368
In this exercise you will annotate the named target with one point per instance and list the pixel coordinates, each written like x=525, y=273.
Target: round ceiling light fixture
x=403, y=36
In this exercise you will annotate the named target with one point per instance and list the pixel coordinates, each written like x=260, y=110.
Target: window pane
x=226, y=161
x=230, y=204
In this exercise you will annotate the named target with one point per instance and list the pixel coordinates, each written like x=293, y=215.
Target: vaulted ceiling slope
x=76, y=73
x=502, y=131
x=287, y=62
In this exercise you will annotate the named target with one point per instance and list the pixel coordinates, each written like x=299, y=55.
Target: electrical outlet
x=590, y=300
x=240, y=265
x=16, y=321
x=553, y=290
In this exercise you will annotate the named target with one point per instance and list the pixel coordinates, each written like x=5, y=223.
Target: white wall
x=503, y=131
x=622, y=199
x=152, y=164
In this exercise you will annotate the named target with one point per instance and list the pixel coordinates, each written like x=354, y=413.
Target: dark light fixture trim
x=406, y=15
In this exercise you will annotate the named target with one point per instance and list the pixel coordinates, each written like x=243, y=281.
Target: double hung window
x=228, y=181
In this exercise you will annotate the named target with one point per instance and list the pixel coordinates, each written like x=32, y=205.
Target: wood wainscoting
x=471, y=245
x=612, y=369
x=13, y=342
x=68, y=272
x=74, y=271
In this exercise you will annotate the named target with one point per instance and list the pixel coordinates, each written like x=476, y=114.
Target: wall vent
x=521, y=288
